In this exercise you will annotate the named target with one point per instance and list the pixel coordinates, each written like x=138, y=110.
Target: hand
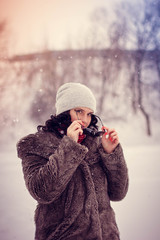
x=75, y=129
x=110, y=139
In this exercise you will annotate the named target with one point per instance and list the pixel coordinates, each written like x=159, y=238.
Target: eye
x=78, y=111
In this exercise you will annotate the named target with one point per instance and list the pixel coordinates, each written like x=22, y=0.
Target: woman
x=74, y=175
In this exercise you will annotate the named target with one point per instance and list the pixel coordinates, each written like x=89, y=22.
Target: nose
x=85, y=119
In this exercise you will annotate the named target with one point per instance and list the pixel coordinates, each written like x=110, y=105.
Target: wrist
x=107, y=150
x=74, y=138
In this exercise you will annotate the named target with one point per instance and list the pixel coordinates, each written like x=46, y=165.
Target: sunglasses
x=91, y=131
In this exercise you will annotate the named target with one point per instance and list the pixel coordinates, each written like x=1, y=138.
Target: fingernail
x=106, y=134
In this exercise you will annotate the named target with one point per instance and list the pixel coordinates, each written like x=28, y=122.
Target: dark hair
x=62, y=121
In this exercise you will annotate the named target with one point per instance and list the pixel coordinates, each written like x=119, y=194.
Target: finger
x=78, y=121
x=79, y=131
x=114, y=137
x=106, y=135
x=105, y=128
x=113, y=134
x=75, y=125
x=111, y=130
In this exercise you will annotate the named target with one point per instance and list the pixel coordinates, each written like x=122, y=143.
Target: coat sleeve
x=47, y=177
x=116, y=171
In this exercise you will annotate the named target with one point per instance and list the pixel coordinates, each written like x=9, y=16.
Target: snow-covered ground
x=138, y=215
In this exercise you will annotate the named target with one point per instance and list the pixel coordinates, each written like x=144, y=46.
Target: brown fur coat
x=73, y=184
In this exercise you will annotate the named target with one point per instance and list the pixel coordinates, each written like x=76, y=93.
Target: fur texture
x=73, y=184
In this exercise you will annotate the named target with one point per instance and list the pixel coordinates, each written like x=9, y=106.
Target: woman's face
x=81, y=113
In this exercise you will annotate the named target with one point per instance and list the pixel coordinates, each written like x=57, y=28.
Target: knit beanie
x=72, y=95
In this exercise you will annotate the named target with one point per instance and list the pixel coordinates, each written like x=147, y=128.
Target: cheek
x=89, y=121
x=73, y=116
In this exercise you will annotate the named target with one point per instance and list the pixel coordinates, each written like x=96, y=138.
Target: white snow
x=137, y=215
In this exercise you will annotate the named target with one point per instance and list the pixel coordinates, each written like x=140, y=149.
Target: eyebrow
x=83, y=110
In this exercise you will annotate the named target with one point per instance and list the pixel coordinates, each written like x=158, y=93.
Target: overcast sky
x=35, y=23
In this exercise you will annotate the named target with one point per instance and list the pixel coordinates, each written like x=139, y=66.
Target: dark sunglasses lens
x=91, y=132
x=88, y=131
x=99, y=133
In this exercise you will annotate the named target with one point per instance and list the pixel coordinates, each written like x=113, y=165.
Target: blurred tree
x=110, y=62
x=138, y=26
x=99, y=29
x=43, y=104
x=156, y=40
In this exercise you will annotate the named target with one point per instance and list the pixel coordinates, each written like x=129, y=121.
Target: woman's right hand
x=75, y=129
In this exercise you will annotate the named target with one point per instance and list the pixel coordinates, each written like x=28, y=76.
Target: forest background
x=118, y=57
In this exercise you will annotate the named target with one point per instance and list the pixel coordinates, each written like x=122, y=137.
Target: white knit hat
x=72, y=95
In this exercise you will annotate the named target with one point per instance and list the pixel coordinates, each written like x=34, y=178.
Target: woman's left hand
x=110, y=139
